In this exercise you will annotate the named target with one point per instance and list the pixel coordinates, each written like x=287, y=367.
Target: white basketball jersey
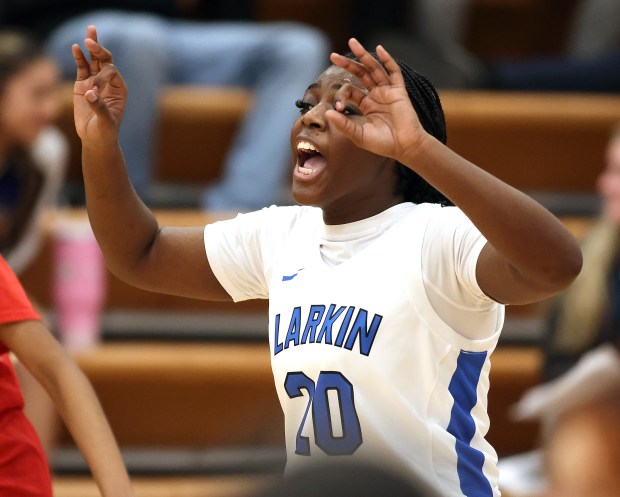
x=365, y=368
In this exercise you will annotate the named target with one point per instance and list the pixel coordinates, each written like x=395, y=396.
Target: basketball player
x=24, y=471
x=385, y=300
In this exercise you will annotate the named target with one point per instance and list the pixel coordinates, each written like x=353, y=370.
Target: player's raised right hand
x=99, y=94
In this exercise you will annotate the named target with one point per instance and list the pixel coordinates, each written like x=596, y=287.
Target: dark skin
x=355, y=183
x=529, y=256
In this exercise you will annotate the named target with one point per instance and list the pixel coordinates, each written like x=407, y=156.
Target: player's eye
x=349, y=110
x=303, y=106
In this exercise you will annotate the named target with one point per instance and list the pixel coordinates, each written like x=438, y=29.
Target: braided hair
x=427, y=105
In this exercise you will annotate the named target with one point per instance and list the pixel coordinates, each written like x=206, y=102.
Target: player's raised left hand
x=390, y=126
x=99, y=93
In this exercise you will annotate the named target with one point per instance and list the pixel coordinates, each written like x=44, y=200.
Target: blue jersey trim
x=462, y=426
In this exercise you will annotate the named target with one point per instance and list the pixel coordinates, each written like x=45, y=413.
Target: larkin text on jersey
x=340, y=326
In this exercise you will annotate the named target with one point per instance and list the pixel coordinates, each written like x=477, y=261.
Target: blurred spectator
x=594, y=378
x=588, y=313
x=591, y=61
x=433, y=34
x=581, y=369
x=155, y=46
x=582, y=454
x=596, y=29
x=427, y=33
x=33, y=158
x=33, y=154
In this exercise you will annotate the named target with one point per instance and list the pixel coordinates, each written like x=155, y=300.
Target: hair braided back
x=427, y=105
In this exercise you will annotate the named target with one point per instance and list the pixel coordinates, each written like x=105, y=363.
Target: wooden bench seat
x=204, y=486
x=221, y=395
x=533, y=141
x=536, y=142
x=200, y=395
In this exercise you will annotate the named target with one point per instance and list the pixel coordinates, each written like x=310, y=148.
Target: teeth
x=307, y=147
x=305, y=170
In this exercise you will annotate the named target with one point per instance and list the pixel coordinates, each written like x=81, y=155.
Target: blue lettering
x=293, y=330
x=314, y=319
x=343, y=327
x=277, y=348
x=366, y=335
x=326, y=327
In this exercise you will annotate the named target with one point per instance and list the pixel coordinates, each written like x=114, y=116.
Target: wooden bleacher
x=204, y=486
x=538, y=142
x=533, y=141
x=221, y=395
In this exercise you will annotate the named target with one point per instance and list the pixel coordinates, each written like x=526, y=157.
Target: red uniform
x=24, y=471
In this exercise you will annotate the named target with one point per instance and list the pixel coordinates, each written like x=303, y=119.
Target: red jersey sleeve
x=14, y=304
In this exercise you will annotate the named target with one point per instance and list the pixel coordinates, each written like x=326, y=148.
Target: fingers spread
x=91, y=45
x=91, y=32
x=94, y=61
x=98, y=52
x=83, y=69
x=355, y=68
x=372, y=65
x=394, y=72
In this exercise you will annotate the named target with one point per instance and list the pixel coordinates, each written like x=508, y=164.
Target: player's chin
x=305, y=194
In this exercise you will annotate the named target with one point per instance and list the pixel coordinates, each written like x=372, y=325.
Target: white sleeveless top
x=364, y=367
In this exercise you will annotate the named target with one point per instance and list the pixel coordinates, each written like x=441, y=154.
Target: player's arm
x=74, y=399
x=530, y=255
x=170, y=260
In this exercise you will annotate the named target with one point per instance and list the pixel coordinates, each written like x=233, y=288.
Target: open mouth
x=309, y=159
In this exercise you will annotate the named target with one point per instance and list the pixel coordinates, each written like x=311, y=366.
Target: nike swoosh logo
x=289, y=278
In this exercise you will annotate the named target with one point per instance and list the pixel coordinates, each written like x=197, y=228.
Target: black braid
x=427, y=105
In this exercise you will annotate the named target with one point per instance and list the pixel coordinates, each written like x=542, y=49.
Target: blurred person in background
x=588, y=313
x=24, y=471
x=581, y=354
x=33, y=153
x=590, y=61
x=582, y=454
x=33, y=157
x=434, y=34
x=431, y=32
x=157, y=45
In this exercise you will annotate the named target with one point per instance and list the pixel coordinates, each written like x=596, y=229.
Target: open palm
x=99, y=93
